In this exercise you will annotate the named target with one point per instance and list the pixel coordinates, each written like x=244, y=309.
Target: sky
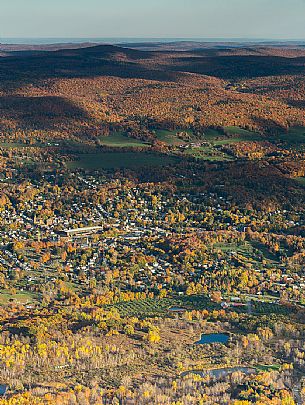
x=259, y=19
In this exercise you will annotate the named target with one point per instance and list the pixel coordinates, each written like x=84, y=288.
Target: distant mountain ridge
x=261, y=87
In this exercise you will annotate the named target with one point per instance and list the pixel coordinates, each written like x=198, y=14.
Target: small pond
x=213, y=338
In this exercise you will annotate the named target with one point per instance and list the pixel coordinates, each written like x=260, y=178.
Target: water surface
x=213, y=338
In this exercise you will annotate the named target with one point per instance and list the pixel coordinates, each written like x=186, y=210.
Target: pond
x=3, y=389
x=213, y=338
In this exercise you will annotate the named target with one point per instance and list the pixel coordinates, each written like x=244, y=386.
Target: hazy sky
x=153, y=18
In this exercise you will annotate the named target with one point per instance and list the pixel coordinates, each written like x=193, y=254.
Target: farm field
x=207, y=153
x=108, y=160
x=158, y=307
x=217, y=138
x=294, y=137
x=121, y=140
x=152, y=307
x=232, y=130
x=170, y=137
x=231, y=135
x=12, y=145
x=301, y=180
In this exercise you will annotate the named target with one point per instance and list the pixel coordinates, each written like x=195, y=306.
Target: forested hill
x=257, y=87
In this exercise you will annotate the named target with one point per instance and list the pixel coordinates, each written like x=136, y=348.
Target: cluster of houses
x=99, y=229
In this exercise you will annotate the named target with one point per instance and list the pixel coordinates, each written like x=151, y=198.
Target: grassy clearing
x=229, y=141
x=115, y=160
x=12, y=145
x=20, y=297
x=301, y=180
x=211, y=134
x=234, y=135
x=250, y=250
x=294, y=137
x=244, y=249
x=207, y=153
x=238, y=135
x=170, y=137
x=120, y=140
x=243, y=133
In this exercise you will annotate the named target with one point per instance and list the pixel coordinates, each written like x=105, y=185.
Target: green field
x=301, y=180
x=207, y=153
x=121, y=140
x=12, y=145
x=211, y=134
x=248, y=250
x=19, y=297
x=216, y=138
x=116, y=160
x=235, y=134
x=295, y=136
x=170, y=137
x=244, y=249
x=241, y=132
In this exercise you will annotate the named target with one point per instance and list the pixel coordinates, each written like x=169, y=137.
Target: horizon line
x=157, y=38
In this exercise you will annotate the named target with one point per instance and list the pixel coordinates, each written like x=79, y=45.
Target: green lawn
x=121, y=140
x=243, y=248
x=113, y=160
